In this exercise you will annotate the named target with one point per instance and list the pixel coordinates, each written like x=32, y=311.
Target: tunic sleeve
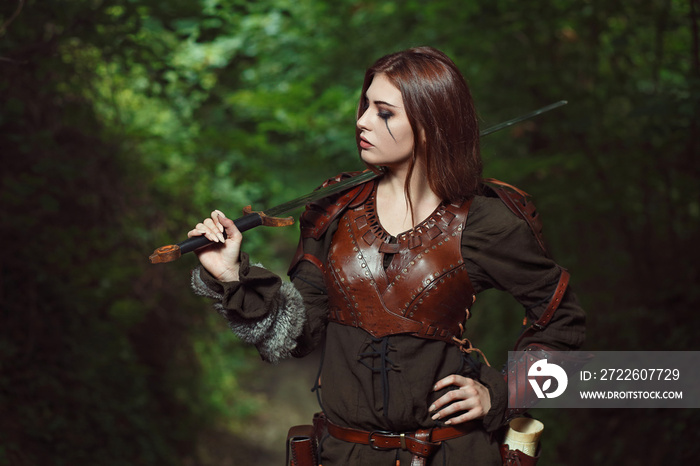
x=281, y=318
x=501, y=252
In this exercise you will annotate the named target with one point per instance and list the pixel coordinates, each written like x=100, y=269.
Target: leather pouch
x=302, y=447
x=517, y=457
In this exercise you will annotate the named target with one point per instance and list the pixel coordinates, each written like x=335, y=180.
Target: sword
x=273, y=216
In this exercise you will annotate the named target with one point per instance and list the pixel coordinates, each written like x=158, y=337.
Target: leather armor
x=425, y=291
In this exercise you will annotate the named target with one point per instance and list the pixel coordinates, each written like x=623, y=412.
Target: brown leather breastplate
x=425, y=291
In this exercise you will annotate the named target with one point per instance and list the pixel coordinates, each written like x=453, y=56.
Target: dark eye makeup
x=385, y=114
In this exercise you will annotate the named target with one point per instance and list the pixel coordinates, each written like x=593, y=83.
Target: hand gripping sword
x=273, y=217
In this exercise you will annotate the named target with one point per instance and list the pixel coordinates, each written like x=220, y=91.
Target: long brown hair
x=438, y=101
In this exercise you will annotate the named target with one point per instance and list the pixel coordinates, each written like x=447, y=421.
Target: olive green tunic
x=500, y=251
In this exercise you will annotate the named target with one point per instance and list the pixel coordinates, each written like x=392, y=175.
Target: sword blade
x=520, y=118
x=294, y=204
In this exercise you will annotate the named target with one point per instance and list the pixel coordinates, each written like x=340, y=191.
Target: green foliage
x=126, y=122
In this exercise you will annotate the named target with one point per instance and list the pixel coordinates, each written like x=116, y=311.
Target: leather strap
x=424, y=436
x=517, y=457
x=422, y=443
x=314, y=260
x=554, y=303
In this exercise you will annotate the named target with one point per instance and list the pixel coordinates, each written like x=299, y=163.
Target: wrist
x=230, y=275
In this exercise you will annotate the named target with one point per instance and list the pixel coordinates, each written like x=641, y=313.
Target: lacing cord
x=385, y=365
x=465, y=345
x=317, y=383
x=317, y=389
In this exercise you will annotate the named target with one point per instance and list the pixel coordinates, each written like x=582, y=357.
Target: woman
x=386, y=272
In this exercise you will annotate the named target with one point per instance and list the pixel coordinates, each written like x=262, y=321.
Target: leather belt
x=422, y=443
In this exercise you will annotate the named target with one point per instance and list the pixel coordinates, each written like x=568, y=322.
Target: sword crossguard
x=164, y=254
x=270, y=221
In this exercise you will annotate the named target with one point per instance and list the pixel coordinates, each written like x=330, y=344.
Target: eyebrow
x=382, y=102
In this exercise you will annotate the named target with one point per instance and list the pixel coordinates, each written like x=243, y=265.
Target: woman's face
x=386, y=137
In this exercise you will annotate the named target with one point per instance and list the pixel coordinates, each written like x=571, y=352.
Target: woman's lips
x=365, y=144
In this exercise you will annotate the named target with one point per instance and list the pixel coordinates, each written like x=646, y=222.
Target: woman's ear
x=421, y=141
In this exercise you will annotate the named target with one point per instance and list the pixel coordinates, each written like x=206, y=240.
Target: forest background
x=124, y=122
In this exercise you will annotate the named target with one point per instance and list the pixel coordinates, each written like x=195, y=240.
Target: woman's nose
x=362, y=121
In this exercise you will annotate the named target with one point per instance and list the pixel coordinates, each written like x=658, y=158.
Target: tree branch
x=3, y=28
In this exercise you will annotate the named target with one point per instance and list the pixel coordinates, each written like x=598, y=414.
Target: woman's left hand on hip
x=470, y=397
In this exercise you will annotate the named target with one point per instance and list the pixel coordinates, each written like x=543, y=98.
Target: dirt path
x=287, y=390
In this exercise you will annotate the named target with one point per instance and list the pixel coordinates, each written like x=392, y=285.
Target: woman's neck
x=395, y=212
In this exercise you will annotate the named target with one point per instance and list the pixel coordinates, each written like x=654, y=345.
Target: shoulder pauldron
x=520, y=203
x=319, y=215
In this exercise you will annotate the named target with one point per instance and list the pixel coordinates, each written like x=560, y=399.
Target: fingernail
x=221, y=237
x=436, y=417
x=448, y=422
x=432, y=408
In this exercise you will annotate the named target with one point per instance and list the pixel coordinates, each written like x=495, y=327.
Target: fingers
x=456, y=400
x=213, y=228
x=201, y=229
x=453, y=379
x=471, y=398
x=229, y=227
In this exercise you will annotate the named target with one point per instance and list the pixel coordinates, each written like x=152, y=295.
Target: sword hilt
x=250, y=219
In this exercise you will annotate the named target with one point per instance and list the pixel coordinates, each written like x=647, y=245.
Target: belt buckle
x=386, y=433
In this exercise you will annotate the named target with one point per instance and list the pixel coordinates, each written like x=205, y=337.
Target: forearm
x=260, y=308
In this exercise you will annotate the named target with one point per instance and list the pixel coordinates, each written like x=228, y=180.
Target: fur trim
x=200, y=288
x=274, y=334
